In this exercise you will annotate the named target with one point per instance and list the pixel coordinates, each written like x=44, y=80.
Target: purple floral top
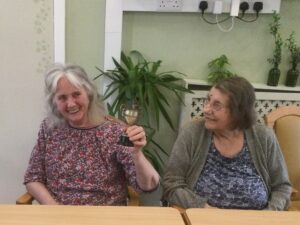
x=83, y=166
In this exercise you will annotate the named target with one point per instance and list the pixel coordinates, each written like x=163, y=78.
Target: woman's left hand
x=137, y=135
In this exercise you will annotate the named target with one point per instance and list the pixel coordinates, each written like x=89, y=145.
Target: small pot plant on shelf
x=218, y=70
x=293, y=73
x=137, y=80
x=274, y=73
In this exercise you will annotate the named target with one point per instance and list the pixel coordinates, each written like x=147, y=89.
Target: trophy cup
x=130, y=113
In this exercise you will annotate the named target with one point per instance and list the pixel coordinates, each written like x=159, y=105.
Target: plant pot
x=292, y=78
x=273, y=77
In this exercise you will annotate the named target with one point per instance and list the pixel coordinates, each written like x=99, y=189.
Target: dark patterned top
x=82, y=166
x=231, y=182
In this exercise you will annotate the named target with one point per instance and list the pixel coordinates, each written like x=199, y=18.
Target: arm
x=40, y=193
x=280, y=184
x=147, y=177
x=35, y=176
x=177, y=191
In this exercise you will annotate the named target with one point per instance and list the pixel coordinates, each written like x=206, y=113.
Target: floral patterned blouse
x=232, y=182
x=82, y=166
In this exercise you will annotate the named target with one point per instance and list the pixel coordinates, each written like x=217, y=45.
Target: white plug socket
x=218, y=7
x=235, y=7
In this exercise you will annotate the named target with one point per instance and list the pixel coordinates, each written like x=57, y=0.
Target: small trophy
x=130, y=113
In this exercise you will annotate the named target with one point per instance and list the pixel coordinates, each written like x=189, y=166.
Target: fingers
x=137, y=135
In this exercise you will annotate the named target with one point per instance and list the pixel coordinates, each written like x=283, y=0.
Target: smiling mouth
x=209, y=119
x=72, y=111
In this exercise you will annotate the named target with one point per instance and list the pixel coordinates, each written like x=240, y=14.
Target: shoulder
x=110, y=127
x=261, y=137
x=263, y=132
x=194, y=132
x=193, y=125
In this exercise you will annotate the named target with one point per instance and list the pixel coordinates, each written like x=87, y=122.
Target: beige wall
x=26, y=47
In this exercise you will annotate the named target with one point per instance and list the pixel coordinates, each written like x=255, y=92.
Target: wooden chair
x=132, y=200
x=286, y=124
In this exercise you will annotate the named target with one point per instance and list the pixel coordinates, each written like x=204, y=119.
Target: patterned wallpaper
x=44, y=46
x=26, y=49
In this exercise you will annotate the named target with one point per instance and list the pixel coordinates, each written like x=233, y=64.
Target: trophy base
x=124, y=140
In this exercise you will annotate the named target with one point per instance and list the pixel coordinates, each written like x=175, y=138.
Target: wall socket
x=192, y=5
x=169, y=5
x=268, y=6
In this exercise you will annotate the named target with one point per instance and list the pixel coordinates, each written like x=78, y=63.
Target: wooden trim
x=281, y=112
x=25, y=199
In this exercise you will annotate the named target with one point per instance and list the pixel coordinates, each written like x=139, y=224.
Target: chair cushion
x=287, y=130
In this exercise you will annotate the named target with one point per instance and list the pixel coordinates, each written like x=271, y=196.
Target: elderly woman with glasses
x=226, y=160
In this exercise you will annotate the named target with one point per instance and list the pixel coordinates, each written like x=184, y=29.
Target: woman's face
x=72, y=103
x=216, y=112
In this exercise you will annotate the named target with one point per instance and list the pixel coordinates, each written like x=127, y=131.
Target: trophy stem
x=124, y=140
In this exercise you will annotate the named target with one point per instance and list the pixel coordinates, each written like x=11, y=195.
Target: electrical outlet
x=169, y=5
x=235, y=8
x=268, y=6
x=193, y=5
x=218, y=6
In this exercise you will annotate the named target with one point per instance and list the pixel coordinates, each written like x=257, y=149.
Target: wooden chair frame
x=278, y=113
x=133, y=198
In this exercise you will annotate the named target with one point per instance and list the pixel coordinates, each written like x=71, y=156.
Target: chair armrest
x=182, y=213
x=294, y=192
x=133, y=197
x=25, y=199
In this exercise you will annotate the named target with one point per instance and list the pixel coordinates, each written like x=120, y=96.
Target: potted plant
x=274, y=73
x=137, y=80
x=293, y=73
x=218, y=70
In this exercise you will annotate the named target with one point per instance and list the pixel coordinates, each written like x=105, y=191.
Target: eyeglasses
x=215, y=106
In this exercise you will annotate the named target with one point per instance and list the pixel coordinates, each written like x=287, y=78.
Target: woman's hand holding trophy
x=135, y=135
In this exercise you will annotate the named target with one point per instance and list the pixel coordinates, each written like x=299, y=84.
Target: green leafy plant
x=294, y=50
x=137, y=80
x=218, y=70
x=293, y=73
x=274, y=30
x=274, y=73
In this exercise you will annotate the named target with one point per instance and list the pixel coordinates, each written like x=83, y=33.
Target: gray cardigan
x=189, y=155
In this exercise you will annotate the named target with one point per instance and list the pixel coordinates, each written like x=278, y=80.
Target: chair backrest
x=286, y=124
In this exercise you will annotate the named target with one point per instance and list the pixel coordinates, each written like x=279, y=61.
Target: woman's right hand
x=40, y=193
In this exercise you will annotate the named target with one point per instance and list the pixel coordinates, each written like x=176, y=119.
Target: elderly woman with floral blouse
x=226, y=160
x=76, y=160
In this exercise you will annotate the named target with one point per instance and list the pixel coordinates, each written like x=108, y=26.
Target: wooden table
x=241, y=217
x=88, y=215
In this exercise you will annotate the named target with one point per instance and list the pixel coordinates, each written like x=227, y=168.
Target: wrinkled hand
x=137, y=135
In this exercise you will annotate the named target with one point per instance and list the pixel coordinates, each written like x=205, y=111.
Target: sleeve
x=280, y=183
x=175, y=188
x=124, y=157
x=36, y=169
